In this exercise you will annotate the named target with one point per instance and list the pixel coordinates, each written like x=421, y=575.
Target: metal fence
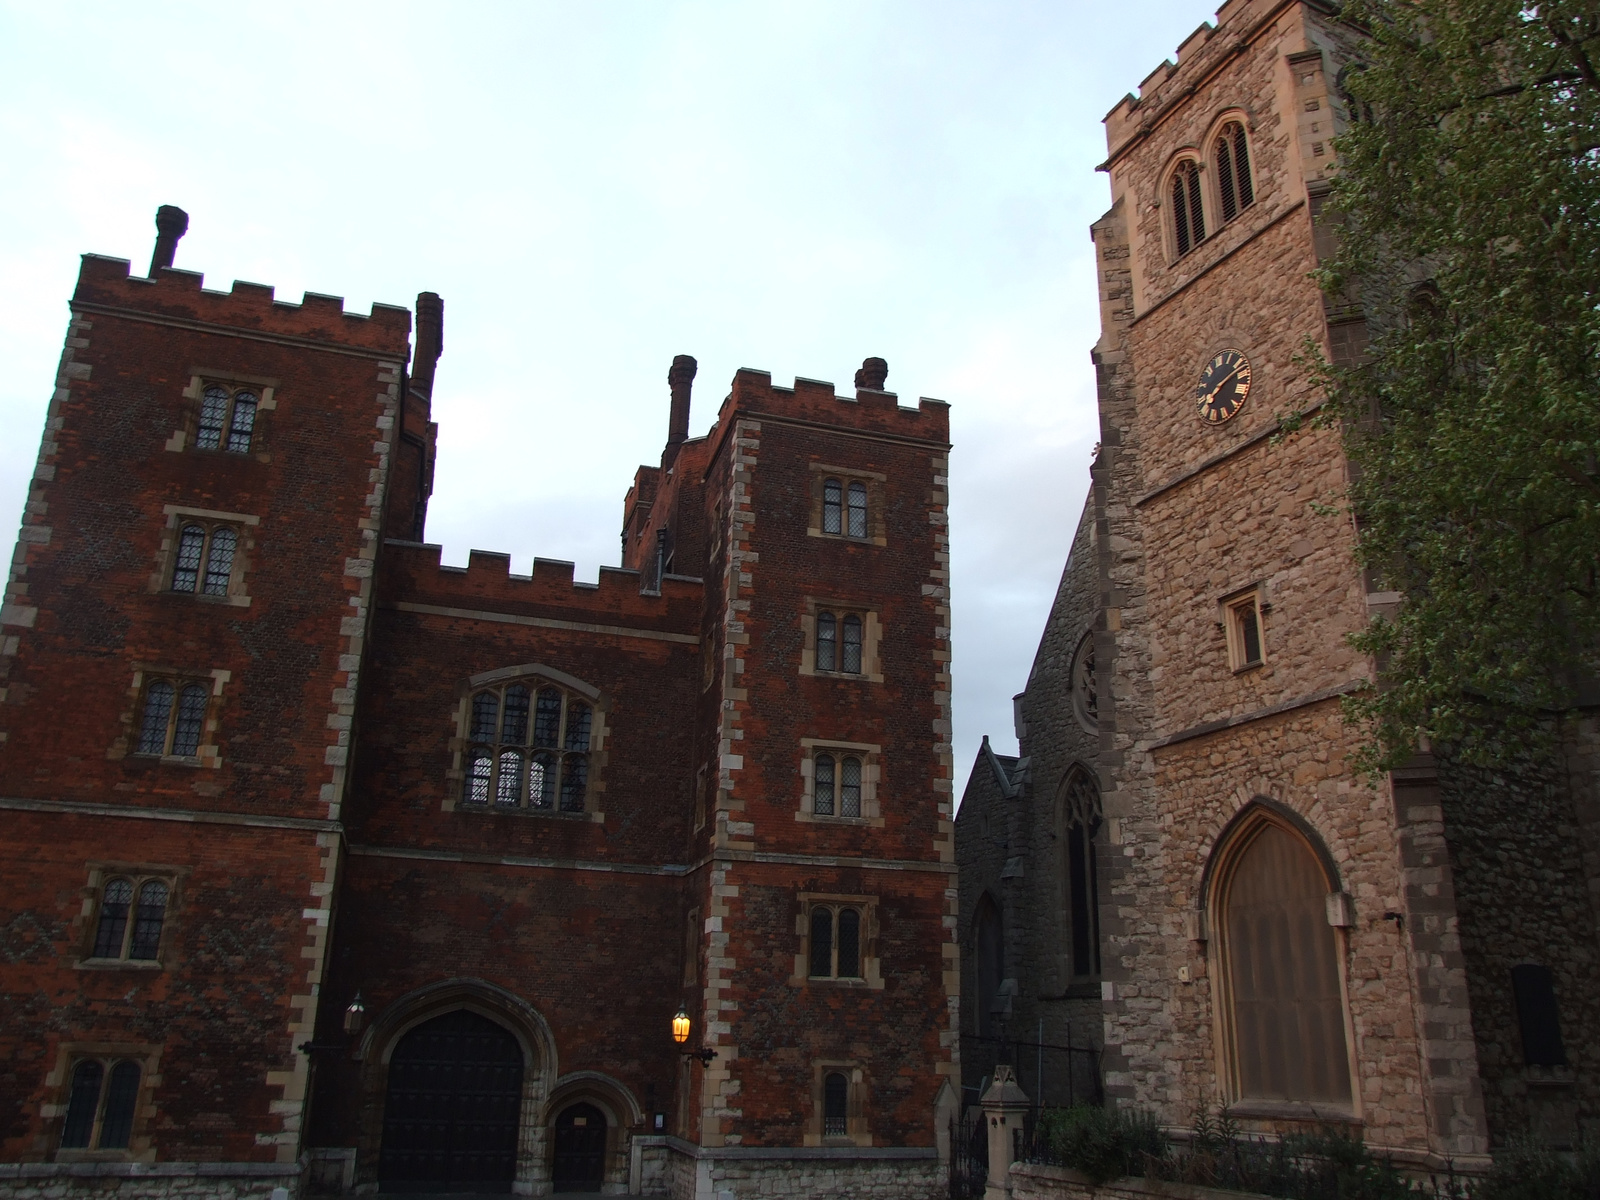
x=1052, y=1075
x=969, y=1154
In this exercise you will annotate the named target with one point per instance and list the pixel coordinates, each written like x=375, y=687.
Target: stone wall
x=883, y=1176
x=150, y=1181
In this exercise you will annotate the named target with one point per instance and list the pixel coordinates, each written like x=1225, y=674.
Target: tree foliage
x=1469, y=199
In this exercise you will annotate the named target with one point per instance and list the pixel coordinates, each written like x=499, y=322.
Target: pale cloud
x=595, y=188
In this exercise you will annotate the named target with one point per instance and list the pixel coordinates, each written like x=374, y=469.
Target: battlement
x=414, y=573
x=106, y=282
x=1237, y=19
x=817, y=401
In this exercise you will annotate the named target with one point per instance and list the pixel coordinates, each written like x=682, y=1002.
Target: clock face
x=1224, y=387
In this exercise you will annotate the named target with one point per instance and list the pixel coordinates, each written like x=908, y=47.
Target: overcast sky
x=595, y=187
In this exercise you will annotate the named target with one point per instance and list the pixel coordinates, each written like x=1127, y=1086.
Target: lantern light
x=355, y=1016
x=680, y=1027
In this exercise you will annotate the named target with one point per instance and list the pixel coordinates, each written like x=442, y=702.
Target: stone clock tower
x=1410, y=958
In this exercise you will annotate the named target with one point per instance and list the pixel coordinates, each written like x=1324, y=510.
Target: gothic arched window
x=1284, y=1000
x=1080, y=818
x=528, y=748
x=1232, y=155
x=988, y=938
x=1188, y=214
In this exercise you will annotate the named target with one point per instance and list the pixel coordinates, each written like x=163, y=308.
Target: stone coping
x=790, y=1153
x=1076, y=1183
x=138, y=1170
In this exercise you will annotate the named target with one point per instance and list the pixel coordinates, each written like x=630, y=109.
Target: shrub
x=1103, y=1143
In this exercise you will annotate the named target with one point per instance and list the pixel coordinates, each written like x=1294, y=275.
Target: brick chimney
x=681, y=380
x=430, y=341
x=171, y=224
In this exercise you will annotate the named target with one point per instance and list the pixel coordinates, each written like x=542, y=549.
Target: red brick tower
x=717, y=780
x=182, y=631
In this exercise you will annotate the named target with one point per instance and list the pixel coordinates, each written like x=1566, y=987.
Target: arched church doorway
x=453, y=1106
x=580, y=1145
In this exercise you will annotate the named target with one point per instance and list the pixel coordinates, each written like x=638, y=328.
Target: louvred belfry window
x=528, y=749
x=1233, y=171
x=1188, y=216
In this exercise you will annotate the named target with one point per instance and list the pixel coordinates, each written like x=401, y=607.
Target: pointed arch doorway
x=452, y=1107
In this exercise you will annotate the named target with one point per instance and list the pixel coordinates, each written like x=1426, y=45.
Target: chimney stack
x=430, y=341
x=171, y=224
x=681, y=380
x=873, y=375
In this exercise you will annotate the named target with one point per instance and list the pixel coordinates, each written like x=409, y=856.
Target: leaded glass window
x=858, y=509
x=851, y=659
x=821, y=943
x=227, y=419
x=529, y=749
x=822, y=785
x=116, y=936
x=850, y=787
x=827, y=642
x=101, y=1106
x=219, y=562
x=1081, y=818
x=832, y=506
x=191, y=549
x=168, y=728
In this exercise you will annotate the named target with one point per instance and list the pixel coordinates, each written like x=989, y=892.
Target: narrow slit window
x=219, y=562
x=115, y=901
x=827, y=641
x=858, y=510
x=158, y=699
x=835, y=1104
x=1244, y=632
x=821, y=943
x=191, y=547
x=850, y=787
x=822, y=786
x=191, y=720
x=832, y=506
x=851, y=658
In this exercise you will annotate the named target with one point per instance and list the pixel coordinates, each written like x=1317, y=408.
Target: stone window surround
x=178, y=516
x=856, y=1131
x=871, y=977
x=1202, y=155
x=530, y=673
x=1210, y=929
x=58, y=1089
x=208, y=754
x=871, y=775
x=88, y=920
x=871, y=639
x=1228, y=610
x=876, y=481
x=1085, y=649
x=202, y=377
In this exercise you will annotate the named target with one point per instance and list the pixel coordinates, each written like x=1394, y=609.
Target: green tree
x=1469, y=199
